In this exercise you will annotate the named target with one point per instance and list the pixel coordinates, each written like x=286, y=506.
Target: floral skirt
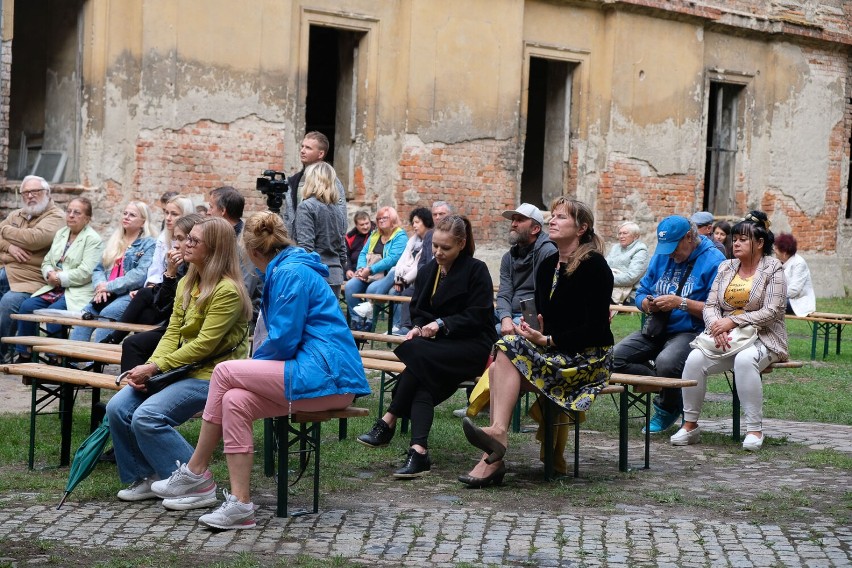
x=571, y=381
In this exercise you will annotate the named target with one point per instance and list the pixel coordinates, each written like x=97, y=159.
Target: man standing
x=528, y=246
x=313, y=149
x=682, y=255
x=704, y=223
x=25, y=237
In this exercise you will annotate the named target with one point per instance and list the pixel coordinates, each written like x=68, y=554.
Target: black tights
x=412, y=400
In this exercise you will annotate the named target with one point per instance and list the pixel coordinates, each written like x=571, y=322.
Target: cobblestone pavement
x=441, y=524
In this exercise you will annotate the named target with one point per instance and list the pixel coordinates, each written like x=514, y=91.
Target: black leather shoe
x=416, y=464
x=380, y=435
x=478, y=482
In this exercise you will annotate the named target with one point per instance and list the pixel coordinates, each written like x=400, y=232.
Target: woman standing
x=380, y=254
x=305, y=360
x=749, y=290
x=570, y=359
x=453, y=314
x=210, y=318
x=320, y=223
x=123, y=268
x=801, y=299
x=67, y=269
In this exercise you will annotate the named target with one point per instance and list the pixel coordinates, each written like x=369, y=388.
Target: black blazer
x=577, y=315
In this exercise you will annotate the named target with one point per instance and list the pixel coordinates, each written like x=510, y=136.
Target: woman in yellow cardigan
x=211, y=312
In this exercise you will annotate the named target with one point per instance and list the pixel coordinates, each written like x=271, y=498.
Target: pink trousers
x=245, y=390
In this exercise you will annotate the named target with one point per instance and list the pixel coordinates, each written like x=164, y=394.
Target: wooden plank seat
x=732, y=384
x=379, y=354
x=383, y=304
x=69, y=322
x=49, y=383
x=638, y=397
x=30, y=340
x=299, y=434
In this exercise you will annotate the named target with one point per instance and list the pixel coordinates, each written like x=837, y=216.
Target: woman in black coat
x=570, y=360
x=453, y=315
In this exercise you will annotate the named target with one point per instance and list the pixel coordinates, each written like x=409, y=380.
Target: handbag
x=161, y=380
x=373, y=258
x=739, y=338
x=656, y=323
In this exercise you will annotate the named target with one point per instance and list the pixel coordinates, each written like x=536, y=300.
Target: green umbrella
x=86, y=458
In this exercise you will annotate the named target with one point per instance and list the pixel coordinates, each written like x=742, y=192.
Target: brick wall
x=5, y=86
x=476, y=177
x=205, y=155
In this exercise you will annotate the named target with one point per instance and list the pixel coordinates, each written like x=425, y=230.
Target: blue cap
x=702, y=218
x=669, y=233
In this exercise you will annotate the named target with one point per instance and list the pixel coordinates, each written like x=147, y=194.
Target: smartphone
x=529, y=312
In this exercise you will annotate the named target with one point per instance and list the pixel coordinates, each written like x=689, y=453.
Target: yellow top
x=737, y=293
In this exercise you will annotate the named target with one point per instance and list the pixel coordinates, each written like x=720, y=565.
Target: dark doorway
x=44, y=101
x=545, y=144
x=722, y=132
x=331, y=92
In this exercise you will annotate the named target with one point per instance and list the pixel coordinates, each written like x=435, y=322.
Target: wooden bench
x=58, y=383
x=362, y=337
x=639, y=397
x=299, y=434
x=732, y=384
x=70, y=322
x=824, y=324
x=383, y=303
x=30, y=340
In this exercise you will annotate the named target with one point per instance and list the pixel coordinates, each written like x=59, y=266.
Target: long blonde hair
x=320, y=180
x=221, y=263
x=589, y=241
x=115, y=248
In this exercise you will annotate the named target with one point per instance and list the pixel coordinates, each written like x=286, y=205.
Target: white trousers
x=747, y=365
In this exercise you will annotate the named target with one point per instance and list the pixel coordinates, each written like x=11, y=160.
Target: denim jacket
x=137, y=259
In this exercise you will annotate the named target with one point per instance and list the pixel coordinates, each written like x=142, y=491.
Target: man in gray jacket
x=529, y=245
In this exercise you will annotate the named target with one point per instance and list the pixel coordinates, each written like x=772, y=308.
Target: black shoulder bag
x=161, y=380
x=656, y=323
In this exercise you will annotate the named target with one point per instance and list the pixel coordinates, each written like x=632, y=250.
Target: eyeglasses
x=192, y=241
x=31, y=192
x=380, y=219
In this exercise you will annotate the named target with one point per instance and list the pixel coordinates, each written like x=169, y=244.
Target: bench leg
x=269, y=445
x=67, y=414
x=735, y=419
x=33, y=411
x=839, y=331
x=342, y=428
x=282, y=430
x=622, y=430
x=814, y=329
x=548, y=437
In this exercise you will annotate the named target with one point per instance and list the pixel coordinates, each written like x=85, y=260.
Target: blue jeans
x=31, y=327
x=10, y=304
x=632, y=355
x=356, y=286
x=143, y=428
x=114, y=311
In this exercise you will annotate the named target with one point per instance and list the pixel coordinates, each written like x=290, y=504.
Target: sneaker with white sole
x=139, y=490
x=230, y=515
x=185, y=490
x=752, y=443
x=685, y=437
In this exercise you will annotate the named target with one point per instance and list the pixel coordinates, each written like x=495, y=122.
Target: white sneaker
x=752, y=443
x=685, y=437
x=230, y=515
x=185, y=490
x=364, y=310
x=138, y=491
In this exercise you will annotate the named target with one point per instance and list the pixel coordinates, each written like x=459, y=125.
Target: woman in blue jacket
x=376, y=262
x=305, y=359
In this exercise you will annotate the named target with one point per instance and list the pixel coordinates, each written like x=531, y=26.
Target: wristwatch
x=683, y=305
x=441, y=325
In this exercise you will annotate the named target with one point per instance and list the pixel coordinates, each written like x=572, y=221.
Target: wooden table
x=66, y=321
x=824, y=323
x=383, y=303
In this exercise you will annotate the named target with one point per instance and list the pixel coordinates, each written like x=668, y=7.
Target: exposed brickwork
x=477, y=177
x=625, y=178
x=206, y=155
x=5, y=90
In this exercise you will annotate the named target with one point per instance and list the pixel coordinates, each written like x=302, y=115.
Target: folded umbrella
x=86, y=458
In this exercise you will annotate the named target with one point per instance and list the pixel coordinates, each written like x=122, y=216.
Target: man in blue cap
x=681, y=253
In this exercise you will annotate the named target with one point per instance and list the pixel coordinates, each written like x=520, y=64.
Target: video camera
x=274, y=186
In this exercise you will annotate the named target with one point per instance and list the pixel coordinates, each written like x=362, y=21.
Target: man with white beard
x=25, y=237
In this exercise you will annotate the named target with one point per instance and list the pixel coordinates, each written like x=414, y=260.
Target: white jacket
x=800, y=288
